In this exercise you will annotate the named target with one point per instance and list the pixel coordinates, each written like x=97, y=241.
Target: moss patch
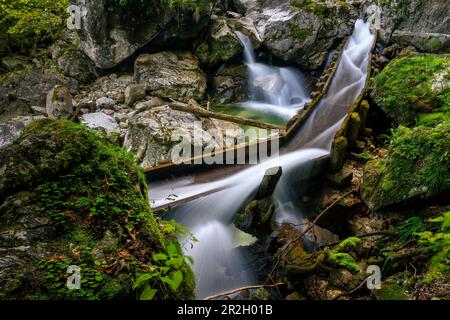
x=417, y=166
x=90, y=200
x=412, y=86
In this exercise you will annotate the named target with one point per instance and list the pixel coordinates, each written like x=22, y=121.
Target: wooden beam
x=200, y=112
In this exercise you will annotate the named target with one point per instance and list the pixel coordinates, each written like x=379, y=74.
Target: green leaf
x=148, y=294
x=160, y=256
x=172, y=250
x=173, y=280
x=143, y=278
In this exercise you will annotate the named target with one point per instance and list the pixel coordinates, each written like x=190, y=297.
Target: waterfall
x=278, y=91
x=218, y=266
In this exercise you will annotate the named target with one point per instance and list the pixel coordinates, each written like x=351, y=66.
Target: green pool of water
x=241, y=112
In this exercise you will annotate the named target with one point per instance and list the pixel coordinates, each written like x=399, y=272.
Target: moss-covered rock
x=411, y=88
x=71, y=198
x=417, y=165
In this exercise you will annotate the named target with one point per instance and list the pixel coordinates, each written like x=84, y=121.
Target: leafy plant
x=439, y=243
x=409, y=229
x=167, y=272
x=31, y=22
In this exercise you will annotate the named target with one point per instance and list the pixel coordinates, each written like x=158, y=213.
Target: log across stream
x=207, y=198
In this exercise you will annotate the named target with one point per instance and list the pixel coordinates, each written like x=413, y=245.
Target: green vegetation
x=29, y=23
x=418, y=240
x=438, y=240
x=412, y=87
x=196, y=7
x=301, y=33
x=319, y=9
x=340, y=257
x=94, y=197
x=417, y=165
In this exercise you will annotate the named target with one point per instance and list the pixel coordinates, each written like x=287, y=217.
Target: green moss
x=343, y=260
x=407, y=87
x=94, y=196
x=319, y=9
x=390, y=291
x=417, y=165
x=339, y=256
x=301, y=34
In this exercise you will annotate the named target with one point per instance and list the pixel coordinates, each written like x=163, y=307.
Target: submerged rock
x=71, y=198
x=173, y=75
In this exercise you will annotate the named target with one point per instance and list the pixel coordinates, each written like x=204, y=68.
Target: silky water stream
x=219, y=266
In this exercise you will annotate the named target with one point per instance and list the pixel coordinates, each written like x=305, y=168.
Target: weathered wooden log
x=338, y=154
x=269, y=183
x=200, y=112
x=353, y=129
x=363, y=113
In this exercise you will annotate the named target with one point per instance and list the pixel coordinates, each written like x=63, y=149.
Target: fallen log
x=200, y=112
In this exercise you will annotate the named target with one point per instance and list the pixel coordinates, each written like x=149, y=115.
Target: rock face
x=222, y=43
x=112, y=32
x=303, y=33
x=420, y=23
x=417, y=166
x=228, y=84
x=56, y=212
x=59, y=103
x=173, y=75
x=71, y=60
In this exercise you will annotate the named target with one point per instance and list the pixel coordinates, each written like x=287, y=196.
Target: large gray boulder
x=111, y=32
x=173, y=75
x=420, y=23
x=300, y=33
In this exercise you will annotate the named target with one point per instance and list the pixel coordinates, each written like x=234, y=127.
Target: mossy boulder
x=411, y=88
x=71, y=198
x=416, y=166
x=221, y=45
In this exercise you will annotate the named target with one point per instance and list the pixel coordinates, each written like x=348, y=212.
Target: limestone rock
x=112, y=32
x=228, y=84
x=100, y=121
x=134, y=93
x=59, y=103
x=173, y=75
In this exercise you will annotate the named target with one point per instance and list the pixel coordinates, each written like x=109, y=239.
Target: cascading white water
x=279, y=91
x=218, y=266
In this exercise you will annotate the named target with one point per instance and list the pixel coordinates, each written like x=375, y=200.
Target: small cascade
x=278, y=91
